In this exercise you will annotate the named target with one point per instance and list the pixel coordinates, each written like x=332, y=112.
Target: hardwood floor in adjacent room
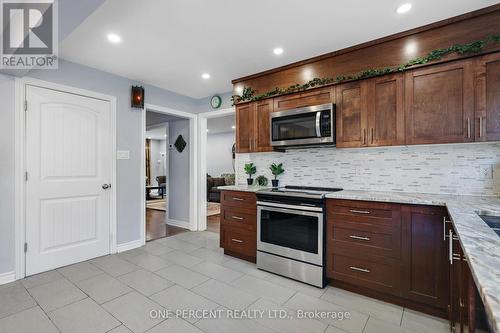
x=213, y=223
x=157, y=227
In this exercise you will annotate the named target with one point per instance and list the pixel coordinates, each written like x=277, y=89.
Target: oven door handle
x=289, y=208
x=260, y=209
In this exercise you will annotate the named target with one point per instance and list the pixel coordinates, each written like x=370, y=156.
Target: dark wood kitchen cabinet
x=244, y=127
x=487, y=97
x=440, y=104
x=238, y=224
x=370, y=113
x=309, y=98
x=252, y=127
x=386, y=111
x=425, y=268
x=351, y=111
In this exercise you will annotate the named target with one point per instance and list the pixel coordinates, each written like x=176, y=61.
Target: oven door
x=291, y=232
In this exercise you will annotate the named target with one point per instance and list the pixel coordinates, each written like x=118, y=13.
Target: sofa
x=213, y=193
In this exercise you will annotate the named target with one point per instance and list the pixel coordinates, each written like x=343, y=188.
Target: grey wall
x=204, y=103
x=7, y=183
x=219, y=153
x=128, y=137
x=178, y=173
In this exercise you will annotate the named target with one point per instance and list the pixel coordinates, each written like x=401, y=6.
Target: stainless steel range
x=291, y=231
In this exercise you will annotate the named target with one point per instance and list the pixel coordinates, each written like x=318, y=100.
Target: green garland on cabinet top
x=248, y=94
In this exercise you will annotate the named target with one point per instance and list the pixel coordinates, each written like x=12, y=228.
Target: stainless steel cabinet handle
x=468, y=128
x=364, y=136
x=450, y=239
x=236, y=240
x=359, y=211
x=238, y=199
x=372, y=135
x=359, y=237
x=364, y=270
x=237, y=217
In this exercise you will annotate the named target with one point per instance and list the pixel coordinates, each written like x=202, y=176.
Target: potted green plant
x=261, y=180
x=276, y=170
x=250, y=170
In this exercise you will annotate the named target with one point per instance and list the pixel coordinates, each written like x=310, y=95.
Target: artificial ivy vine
x=474, y=47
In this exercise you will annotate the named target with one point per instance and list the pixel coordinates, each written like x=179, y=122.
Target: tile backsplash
x=472, y=169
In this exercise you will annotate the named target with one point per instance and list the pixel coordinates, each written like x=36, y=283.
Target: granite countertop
x=242, y=188
x=480, y=243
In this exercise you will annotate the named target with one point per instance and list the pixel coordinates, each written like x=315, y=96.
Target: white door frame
x=202, y=160
x=193, y=163
x=20, y=162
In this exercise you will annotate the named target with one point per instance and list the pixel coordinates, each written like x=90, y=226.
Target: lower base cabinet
x=238, y=224
x=397, y=253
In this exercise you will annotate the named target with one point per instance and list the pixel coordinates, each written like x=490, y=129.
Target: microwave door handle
x=318, y=129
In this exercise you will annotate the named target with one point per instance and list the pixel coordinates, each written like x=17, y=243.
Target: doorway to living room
x=217, y=157
x=168, y=143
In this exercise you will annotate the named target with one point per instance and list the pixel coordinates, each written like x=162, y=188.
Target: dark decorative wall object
x=180, y=144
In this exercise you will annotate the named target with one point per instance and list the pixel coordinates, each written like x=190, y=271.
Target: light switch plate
x=123, y=155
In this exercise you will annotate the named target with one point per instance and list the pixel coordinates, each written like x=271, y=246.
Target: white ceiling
x=220, y=124
x=169, y=44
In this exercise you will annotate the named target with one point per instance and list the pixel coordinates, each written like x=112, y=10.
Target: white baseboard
x=129, y=246
x=178, y=223
x=7, y=277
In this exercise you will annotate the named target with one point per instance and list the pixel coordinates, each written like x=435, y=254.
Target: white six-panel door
x=68, y=160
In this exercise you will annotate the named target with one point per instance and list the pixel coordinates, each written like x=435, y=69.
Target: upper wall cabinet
x=352, y=114
x=440, y=104
x=386, y=111
x=371, y=112
x=244, y=127
x=487, y=98
x=314, y=97
x=252, y=127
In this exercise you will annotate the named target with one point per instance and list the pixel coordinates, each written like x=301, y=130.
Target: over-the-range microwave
x=307, y=126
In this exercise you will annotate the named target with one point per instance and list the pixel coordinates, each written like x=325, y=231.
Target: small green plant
x=262, y=180
x=250, y=169
x=276, y=169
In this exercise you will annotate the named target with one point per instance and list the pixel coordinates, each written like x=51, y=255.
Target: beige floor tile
x=296, y=285
x=355, y=323
x=288, y=324
x=375, y=325
x=177, y=298
x=134, y=311
x=145, y=282
x=225, y=295
x=56, y=294
x=114, y=265
x=182, y=276
x=27, y=321
x=178, y=244
x=246, y=268
x=82, y=317
x=217, y=257
x=262, y=288
x=216, y=271
x=181, y=258
x=421, y=322
x=80, y=271
x=103, y=288
x=149, y=262
x=14, y=298
x=175, y=325
x=42, y=278
x=385, y=311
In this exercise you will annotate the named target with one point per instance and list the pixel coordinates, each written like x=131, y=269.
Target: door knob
x=106, y=186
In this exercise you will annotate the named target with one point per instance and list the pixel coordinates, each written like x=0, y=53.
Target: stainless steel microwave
x=308, y=126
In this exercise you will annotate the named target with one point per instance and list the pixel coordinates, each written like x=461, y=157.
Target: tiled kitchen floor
x=188, y=271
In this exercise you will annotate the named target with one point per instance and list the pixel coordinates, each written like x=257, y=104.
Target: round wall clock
x=216, y=102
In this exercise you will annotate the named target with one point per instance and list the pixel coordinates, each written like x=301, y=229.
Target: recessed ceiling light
x=114, y=38
x=278, y=51
x=404, y=8
x=205, y=76
x=233, y=127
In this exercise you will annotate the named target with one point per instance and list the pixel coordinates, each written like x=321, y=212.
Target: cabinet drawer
x=382, y=274
x=240, y=241
x=364, y=243
x=246, y=200
x=360, y=209
x=238, y=218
